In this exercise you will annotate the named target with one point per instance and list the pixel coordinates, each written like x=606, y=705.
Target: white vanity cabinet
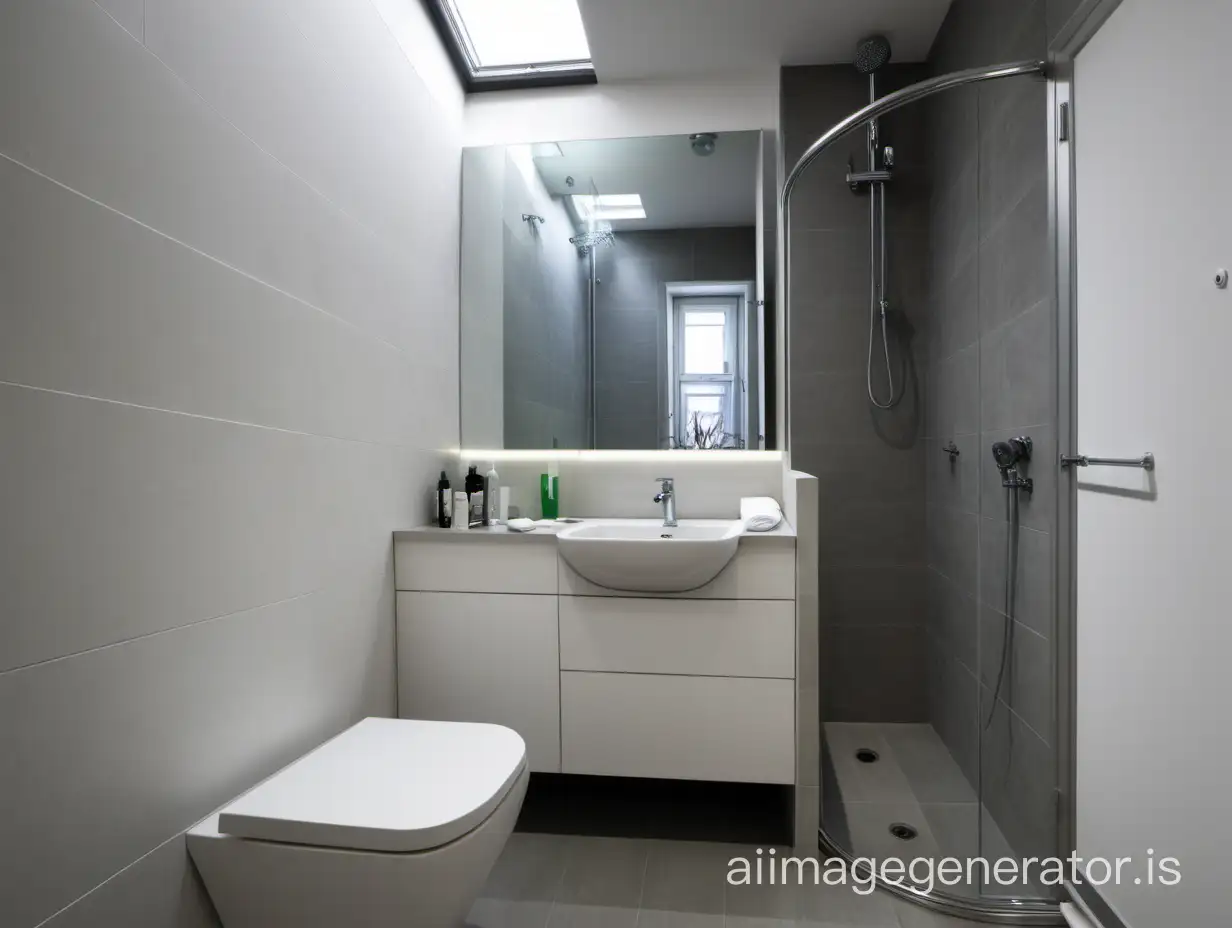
x=701, y=685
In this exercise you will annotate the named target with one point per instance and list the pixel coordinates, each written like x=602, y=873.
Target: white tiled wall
x=228, y=343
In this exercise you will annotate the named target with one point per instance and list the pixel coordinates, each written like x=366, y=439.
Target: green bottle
x=549, y=493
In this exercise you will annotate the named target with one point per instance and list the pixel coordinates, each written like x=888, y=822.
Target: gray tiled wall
x=630, y=336
x=870, y=464
x=991, y=375
x=547, y=328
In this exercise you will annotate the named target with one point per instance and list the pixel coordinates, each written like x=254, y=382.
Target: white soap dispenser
x=491, y=496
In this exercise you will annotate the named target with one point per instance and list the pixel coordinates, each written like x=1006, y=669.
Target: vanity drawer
x=476, y=657
x=725, y=729
x=763, y=568
x=476, y=565
x=722, y=637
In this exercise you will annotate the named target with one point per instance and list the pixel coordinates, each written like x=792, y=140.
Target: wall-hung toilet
x=393, y=822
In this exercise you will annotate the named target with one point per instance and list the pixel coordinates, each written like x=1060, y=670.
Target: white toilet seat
x=392, y=785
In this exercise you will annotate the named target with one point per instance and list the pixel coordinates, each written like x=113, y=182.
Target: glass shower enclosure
x=923, y=371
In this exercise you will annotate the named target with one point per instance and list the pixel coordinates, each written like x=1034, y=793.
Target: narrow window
x=705, y=366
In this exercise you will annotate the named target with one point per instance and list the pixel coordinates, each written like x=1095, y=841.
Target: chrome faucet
x=667, y=496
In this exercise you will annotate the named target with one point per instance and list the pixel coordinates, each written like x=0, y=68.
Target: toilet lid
x=384, y=785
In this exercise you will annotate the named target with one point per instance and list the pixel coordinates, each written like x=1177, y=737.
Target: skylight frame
x=476, y=78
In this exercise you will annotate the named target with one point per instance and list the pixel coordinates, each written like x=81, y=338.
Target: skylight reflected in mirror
x=609, y=206
x=520, y=33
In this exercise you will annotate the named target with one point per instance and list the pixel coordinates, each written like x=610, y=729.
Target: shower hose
x=1011, y=583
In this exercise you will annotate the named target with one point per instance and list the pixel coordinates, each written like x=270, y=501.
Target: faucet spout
x=667, y=496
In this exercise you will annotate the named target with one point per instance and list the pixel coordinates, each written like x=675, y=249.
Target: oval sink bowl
x=644, y=556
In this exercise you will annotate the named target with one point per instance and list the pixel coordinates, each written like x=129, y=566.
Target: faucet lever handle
x=667, y=482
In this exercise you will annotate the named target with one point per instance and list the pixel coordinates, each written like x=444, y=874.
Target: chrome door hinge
x=1063, y=123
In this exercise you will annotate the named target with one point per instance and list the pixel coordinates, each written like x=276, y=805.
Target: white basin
x=644, y=556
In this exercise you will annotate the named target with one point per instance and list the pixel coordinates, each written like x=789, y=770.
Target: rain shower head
x=872, y=54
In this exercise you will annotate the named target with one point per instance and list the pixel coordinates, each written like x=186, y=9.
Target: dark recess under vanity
x=683, y=810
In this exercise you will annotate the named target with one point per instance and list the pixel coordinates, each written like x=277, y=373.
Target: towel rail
x=1146, y=462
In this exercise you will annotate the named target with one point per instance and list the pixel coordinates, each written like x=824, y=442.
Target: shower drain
x=903, y=831
x=867, y=756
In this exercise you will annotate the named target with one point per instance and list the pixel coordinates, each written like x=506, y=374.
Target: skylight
x=516, y=41
x=607, y=207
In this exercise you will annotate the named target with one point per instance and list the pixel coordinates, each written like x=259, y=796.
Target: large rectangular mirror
x=614, y=294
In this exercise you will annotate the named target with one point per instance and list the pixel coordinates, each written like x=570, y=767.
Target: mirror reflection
x=614, y=293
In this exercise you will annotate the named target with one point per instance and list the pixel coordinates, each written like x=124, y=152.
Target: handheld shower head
x=872, y=54
x=1008, y=455
x=1005, y=455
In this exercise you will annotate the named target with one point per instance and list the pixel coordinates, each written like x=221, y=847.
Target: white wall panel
x=84, y=286
x=84, y=103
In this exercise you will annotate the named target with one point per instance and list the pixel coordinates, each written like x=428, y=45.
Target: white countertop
x=784, y=532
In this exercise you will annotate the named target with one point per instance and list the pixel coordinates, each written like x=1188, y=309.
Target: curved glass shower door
x=936, y=559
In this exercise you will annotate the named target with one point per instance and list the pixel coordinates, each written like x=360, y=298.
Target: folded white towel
x=760, y=513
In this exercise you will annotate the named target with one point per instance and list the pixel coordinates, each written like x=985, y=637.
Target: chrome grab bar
x=1146, y=462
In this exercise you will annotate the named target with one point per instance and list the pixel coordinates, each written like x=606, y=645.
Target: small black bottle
x=444, y=503
x=474, y=497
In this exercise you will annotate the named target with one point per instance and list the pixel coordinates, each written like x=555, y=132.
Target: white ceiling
x=679, y=189
x=680, y=39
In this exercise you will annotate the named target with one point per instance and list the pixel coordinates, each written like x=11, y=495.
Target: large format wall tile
x=161, y=890
x=123, y=521
x=85, y=286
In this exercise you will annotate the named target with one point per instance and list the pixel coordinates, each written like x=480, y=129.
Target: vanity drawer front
x=726, y=729
x=761, y=569
x=476, y=565
x=475, y=657
x=722, y=637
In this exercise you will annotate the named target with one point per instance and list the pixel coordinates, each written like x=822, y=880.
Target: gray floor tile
x=593, y=916
x=956, y=827
x=869, y=824
x=684, y=876
x=604, y=872
x=506, y=913
x=529, y=869
x=993, y=847
x=659, y=918
x=914, y=916
x=762, y=900
x=745, y=921
x=843, y=907
x=931, y=771
x=880, y=781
